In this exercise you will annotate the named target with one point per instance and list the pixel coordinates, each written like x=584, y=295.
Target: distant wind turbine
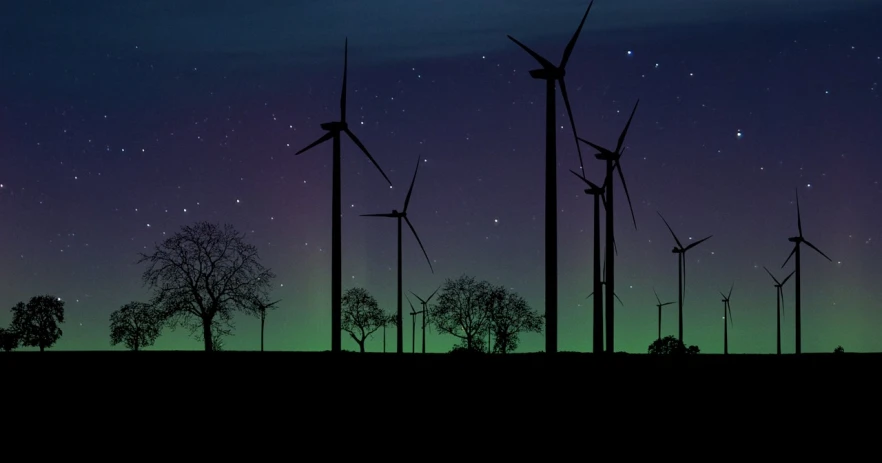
x=334, y=130
x=425, y=303
x=413, y=314
x=399, y=216
x=799, y=240
x=660, y=305
x=552, y=74
x=726, y=309
x=681, y=269
x=779, y=301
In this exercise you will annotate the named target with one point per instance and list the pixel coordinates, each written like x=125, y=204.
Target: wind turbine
x=261, y=309
x=681, y=270
x=799, y=240
x=660, y=305
x=597, y=193
x=727, y=308
x=335, y=129
x=602, y=283
x=425, y=304
x=613, y=163
x=399, y=216
x=552, y=74
x=413, y=314
x=779, y=301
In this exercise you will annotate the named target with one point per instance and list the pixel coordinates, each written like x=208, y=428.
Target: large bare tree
x=362, y=317
x=509, y=317
x=202, y=275
x=463, y=309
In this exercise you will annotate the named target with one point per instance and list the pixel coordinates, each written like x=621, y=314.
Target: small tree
x=136, y=325
x=8, y=340
x=838, y=350
x=509, y=316
x=669, y=345
x=463, y=309
x=362, y=316
x=202, y=275
x=36, y=323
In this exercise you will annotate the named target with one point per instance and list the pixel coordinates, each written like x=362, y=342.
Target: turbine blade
x=420, y=242
x=365, y=151
x=671, y=230
x=816, y=249
x=433, y=293
x=581, y=177
x=773, y=276
x=569, y=50
x=589, y=296
x=544, y=62
x=412, y=310
x=416, y=296
x=615, y=247
x=597, y=147
x=697, y=243
x=345, y=72
x=566, y=98
x=669, y=303
x=731, y=320
x=781, y=291
x=724, y=296
x=656, y=296
x=730, y=290
x=410, y=190
x=788, y=277
x=627, y=195
x=321, y=140
x=617, y=298
x=791, y=255
x=798, y=215
x=625, y=131
x=378, y=215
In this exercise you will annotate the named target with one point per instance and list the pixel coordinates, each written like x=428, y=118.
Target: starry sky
x=122, y=121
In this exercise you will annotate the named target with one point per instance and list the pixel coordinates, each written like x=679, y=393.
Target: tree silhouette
x=509, y=316
x=36, y=323
x=362, y=316
x=670, y=345
x=202, y=275
x=8, y=340
x=838, y=350
x=136, y=324
x=463, y=309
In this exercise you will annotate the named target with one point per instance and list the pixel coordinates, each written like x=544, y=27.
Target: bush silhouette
x=838, y=350
x=670, y=345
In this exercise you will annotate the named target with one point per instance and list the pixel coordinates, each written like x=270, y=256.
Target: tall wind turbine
x=660, y=305
x=727, y=309
x=413, y=314
x=552, y=74
x=597, y=193
x=779, y=301
x=425, y=304
x=334, y=130
x=399, y=216
x=681, y=270
x=602, y=283
x=613, y=163
x=799, y=240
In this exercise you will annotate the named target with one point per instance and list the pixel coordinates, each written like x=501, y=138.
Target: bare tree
x=463, y=309
x=202, y=275
x=136, y=324
x=36, y=323
x=509, y=317
x=362, y=316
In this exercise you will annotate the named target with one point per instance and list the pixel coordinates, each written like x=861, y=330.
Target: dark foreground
x=564, y=363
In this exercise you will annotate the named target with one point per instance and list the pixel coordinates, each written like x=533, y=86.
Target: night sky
x=122, y=121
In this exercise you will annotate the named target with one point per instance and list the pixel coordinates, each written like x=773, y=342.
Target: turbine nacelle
x=554, y=73
x=336, y=126
x=677, y=251
x=795, y=239
x=607, y=156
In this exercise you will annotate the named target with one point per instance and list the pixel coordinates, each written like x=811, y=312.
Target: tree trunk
x=206, y=333
x=361, y=345
x=42, y=348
